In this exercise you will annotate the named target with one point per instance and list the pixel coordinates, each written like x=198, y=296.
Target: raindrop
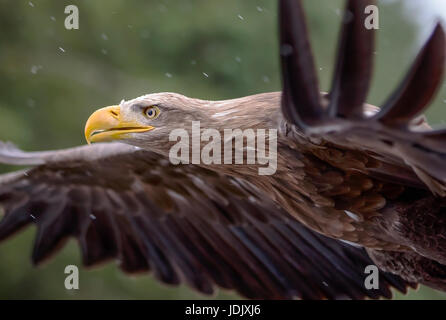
x=104, y=36
x=32, y=217
x=31, y=103
x=53, y=18
x=205, y=74
x=286, y=50
x=92, y=217
x=444, y=101
x=238, y=59
x=31, y=4
x=348, y=16
x=61, y=49
x=162, y=8
x=169, y=75
x=35, y=69
x=321, y=68
x=324, y=283
x=104, y=51
x=193, y=62
x=259, y=9
x=265, y=79
x=130, y=26
x=240, y=17
x=145, y=34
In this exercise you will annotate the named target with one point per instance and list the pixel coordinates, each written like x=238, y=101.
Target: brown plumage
x=345, y=171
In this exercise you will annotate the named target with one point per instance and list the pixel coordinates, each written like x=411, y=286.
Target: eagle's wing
x=406, y=149
x=184, y=223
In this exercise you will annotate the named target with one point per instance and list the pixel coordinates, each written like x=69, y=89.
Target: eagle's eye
x=151, y=112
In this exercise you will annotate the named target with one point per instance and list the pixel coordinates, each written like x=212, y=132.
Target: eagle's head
x=149, y=120
x=145, y=121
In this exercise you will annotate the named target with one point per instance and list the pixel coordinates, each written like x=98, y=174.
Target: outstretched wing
x=183, y=223
x=340, y=118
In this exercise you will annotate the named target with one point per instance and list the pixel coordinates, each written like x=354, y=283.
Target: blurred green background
x=51, y=79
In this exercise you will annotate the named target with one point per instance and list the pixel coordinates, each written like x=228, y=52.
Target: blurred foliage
x=51, y=79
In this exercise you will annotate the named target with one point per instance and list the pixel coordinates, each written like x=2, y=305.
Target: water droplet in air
x=145, y=34
x=286, y=49
x=205, y=74
x=240, y=17
x=61, y=49
x=31, y=103
x=35, y=69
x=169, y=75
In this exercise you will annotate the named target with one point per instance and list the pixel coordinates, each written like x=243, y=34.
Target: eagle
x=355, y=185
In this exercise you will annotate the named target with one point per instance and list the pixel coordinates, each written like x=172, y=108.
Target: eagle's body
x=372, y=177
x=326, y=188
x=330, y=189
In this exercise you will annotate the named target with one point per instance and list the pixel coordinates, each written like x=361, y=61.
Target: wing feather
x=407, y=149
x=185, y=224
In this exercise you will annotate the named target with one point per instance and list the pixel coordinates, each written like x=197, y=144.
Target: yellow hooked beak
x=106, y=125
